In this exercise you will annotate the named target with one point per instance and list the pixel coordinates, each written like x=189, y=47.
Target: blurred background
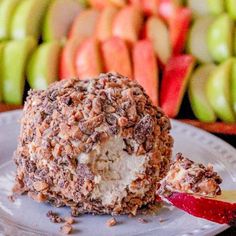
x=181, y=52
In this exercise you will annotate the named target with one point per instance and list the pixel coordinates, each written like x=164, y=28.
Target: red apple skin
x=116, y=56
x=88, y=59
x=166, y=9
x=179, y=25
x=211, y=209
x=127, y=24
x=146, y=69
x=174, y=83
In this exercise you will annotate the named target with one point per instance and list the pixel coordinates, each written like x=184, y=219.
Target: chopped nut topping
x=69, y=220
x=66, y=229
x=111, y=222
x=54, y=217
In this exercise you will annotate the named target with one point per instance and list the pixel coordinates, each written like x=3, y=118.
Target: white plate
x=26, y=217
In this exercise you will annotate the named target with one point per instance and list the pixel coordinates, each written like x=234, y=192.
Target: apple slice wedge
x=127, y=24
x=218, y=91
x=216, y=7
x=174, y=83
x=221, y=209
x=42, y=68
x=157, y=32
x=233, y=86
x=104, y=24
x=197, y=42
x=59, y=18
x=116, y=56
x=146, y=68
x=79, y=28
x=7, y=9
x=197, y=93
x=14, y=76
x=231, y=8
x=198, y=7
x=1, y=69
x=88, y=59
x=220, y=38
x=119, y=3
x=27, y=18
x=99, y=4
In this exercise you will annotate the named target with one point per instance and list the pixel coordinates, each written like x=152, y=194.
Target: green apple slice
x=27, y=19
x=42, y=69
x=216, y=7
x=1, y=67
x=233, y=86
x=197, y=42
x=59, y=18
x=218, y=91
x=197, y=95
x=231, y=8
x=15, y=56
x=198, y=7
x=220, y=38
x=7, y=8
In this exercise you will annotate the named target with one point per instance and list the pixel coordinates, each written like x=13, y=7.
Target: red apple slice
x=119, y=3
x=221, y=209
x=167, y=8
x=157, y=32
x=88, y=59
x=80, y=28
x=127, y=24
x=150, y=7
x=174, y=83
x=104, y=24
x=99, y=4
x=146, y=69
x=179, y=26
x=116, y=56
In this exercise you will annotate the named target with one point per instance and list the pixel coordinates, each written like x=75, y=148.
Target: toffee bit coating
x=98, y=146
x=54, y=217
x=111, y=222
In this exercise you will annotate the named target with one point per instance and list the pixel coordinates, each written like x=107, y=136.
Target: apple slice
x=150, y=7
x=1, y=69
x=174, y=83
x=146, y=69
x=218, y=91
x=119, y=3
x=198, y=7
x=7, y=9
x=27, y=18
x=157, y=32
x=197, y=42
x=99, y=4
x=59, y=17
x=233, y=86
x=88, y=59
x=42, y=68
x=179, y=27
x=127, y=24
x=79, y=28
x=219, y=38
x=221, y=209
x=116, y=56
x=197, y=94
x=231, y=8
x=216, y=7
x=104, y=24
x=13, y=72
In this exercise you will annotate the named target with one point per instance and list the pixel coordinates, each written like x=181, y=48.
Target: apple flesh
x=218, y=91
x=118, y=3
x=219, y=38
x=27, y=18
x=146, y=68
x=127, y=24
x=221, y=209
x=7, y=9
x=198, y=7
x=58, y=20
x=42, y=68
x=197, y=42
x=79, y=28
x=100, y=4
x=197, y=94
x=158, y=34
x=1, y=68
x=88, y=59
x=215, y=7
x=231, y=8
x=174, y=83
x=104, y=24
x=233, y=86
x=116, y=56
x=13, y=72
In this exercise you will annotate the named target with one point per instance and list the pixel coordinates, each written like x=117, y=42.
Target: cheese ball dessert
x=98, y=146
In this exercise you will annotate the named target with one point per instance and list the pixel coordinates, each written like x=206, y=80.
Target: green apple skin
x=15, y=56
x=1, y=67
x=42, y=68
x=58, y=20
x=215, y=7
x=197, y=94
x=220, y=38
x=198, y=7
x=197, y=41
x=27, y=19
x=7, y=9
x=219, y=93
x=231, y=8
x=233, y=86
